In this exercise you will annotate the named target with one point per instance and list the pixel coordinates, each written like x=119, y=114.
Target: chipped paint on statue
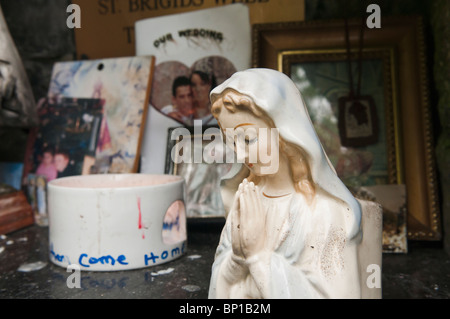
x=295, y=233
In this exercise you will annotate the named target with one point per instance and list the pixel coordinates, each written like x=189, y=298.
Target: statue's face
x=255, y=143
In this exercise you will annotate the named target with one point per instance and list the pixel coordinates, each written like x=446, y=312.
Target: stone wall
x=38, y=28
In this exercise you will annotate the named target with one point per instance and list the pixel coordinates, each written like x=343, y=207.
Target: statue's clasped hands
x=248, y=221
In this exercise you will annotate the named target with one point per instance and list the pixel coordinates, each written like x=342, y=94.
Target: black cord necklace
x=358, y=124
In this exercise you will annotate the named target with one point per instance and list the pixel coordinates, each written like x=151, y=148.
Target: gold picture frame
x=411, y=129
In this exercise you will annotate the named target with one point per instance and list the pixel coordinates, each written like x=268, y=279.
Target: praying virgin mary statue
x=293, y=230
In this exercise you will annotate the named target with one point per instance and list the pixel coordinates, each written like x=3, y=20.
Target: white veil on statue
x=277, y=95
x=312, y=251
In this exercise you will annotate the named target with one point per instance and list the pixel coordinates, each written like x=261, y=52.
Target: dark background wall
x=40, y=33
x=39, y=30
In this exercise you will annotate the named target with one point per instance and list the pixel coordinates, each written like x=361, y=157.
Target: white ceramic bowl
x=116, y=222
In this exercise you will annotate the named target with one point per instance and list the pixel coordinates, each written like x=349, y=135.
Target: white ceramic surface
x=115, y=222
x=294, y=230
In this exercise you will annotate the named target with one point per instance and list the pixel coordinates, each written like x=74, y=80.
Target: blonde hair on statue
x=234, y=101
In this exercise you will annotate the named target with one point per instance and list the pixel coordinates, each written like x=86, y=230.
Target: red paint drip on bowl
x=140, y=213
x=140, y=216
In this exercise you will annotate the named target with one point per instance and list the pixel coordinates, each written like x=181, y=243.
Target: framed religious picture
x=363, y=149
x=384, y=136
x=199, y=155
